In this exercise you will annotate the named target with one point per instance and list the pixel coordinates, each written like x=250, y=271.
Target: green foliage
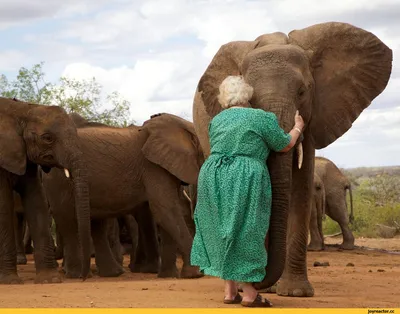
x=376, y=201
x=85, y=97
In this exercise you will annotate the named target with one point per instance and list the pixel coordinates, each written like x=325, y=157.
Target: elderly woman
x=234, y=193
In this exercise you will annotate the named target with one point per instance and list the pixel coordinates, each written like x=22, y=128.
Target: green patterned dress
x=234, y=195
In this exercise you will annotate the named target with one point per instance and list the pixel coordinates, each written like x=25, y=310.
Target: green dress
x=234, y=195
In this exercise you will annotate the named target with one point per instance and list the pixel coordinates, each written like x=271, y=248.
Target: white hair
x=234, y=91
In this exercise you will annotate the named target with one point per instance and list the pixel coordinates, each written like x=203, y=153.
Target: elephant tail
x=351, y=218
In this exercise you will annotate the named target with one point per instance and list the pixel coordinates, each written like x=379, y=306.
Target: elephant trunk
x=280, y=169
x=82, y=209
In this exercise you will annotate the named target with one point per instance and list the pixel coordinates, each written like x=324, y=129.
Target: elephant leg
x=163, y=191
x=168, y=250
x=67, y=228
x=147, y=253
x=133, y=229
x=113, y=240
x=106, y=263
x=294, y=280
x=339, y=214
x=36, y=212
x=28, y=249
x=8, y=251
x=316, y=242
x=19, y=241
x=59, y=246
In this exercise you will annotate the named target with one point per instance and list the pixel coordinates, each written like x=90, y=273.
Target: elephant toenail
x=298, y=293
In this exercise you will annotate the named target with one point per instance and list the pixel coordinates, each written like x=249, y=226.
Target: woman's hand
x=295, y=132
x=298, y=121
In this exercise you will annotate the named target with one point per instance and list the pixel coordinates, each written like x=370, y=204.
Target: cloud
x=11, y=60
x=154, y=52
x=371, y=141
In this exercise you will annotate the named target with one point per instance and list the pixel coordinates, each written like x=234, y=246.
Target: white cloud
x=11, y=60
x=153, y=52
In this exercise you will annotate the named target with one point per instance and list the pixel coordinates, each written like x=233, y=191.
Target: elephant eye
x=301, y=91
x=47, y=137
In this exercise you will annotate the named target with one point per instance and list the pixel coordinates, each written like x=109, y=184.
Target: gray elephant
x=32, y=135
x=317, y=214
x=336, y=185
x=330, y=72
x=126, y=168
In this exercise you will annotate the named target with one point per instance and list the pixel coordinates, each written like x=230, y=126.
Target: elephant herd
x=102, y=184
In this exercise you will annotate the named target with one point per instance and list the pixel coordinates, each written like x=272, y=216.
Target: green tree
x=85, y=97
x=29, y=86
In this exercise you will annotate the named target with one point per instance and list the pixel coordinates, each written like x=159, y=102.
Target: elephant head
x=46, y=136
x=330, y=72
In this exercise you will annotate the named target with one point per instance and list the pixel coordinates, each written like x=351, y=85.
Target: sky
x=153, y=52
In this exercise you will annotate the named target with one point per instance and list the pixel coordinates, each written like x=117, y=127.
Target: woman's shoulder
x=264, y=114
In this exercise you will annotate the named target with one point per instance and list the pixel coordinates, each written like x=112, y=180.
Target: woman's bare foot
x=231, y=290
x=251, y=298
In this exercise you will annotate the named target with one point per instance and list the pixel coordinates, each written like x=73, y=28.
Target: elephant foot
x=48, y=276
x=21, y=259
x=315, y=247
x=347, y=246
x=72, y=273
x=113, y=272
x=271, y=289
x=151, y=268
x=294, y=288
x=10, y=279
x=168, y=273
x=191, y=272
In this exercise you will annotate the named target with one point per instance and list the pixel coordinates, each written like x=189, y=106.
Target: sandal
x=237, y=300
x=258, y=302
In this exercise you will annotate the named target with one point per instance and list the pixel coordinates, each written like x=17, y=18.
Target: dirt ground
x=373, y=281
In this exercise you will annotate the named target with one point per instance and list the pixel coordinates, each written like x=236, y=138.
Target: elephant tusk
x=191, y=203
x=300, y=154
x=187, y=196
x=66, y=172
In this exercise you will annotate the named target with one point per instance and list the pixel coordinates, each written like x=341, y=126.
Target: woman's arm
x=295, y=132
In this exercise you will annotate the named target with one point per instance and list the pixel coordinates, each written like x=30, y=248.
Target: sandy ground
x=373, y=281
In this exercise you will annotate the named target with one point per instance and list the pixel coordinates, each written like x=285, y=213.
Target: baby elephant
x=335, y=184
x=128, y=167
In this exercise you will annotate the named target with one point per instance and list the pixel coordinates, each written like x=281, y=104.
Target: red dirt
x=337, y=285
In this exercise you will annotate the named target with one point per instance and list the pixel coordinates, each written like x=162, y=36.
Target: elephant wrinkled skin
x=32, y=135
x=128, y=167
x=330, y=72
x=317, y=214
x=336, y=185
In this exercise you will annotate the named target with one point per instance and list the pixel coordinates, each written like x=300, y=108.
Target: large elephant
x=32, y=135
x=126, y=168
x=330, y=72
x=317, y=214
x=336, y=185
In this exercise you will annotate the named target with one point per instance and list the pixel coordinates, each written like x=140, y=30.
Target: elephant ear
x=350, y=67
x=13, y=151
x=172, y=144
x=227, y=61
